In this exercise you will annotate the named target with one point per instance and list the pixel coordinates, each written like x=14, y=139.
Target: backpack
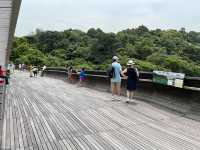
x=111, y=72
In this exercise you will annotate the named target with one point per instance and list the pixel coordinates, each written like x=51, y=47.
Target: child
x=132, y=73
x=35, y=71
x=82, y=76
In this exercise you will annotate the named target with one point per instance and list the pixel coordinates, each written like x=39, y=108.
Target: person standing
x=13, y=68
x=35, y=71
x=23, y=67
x=132, y=78
x=20, y=67
x=70, y=73
x=82, y=77
x=44, y=68
x=116, y=79
x=31, y=70
x=9, y=67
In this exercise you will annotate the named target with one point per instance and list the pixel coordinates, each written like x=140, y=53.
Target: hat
x=130, y=62
x=115, y=58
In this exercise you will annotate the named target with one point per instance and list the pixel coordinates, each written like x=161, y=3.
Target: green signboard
x=169, y=78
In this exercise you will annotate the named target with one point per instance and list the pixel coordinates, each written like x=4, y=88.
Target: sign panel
x=169, y=78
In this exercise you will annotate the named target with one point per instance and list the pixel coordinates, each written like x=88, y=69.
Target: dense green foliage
x=171, y=50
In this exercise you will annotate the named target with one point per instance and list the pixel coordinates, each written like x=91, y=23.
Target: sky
x=109, y=15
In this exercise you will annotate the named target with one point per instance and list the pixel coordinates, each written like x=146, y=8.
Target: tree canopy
x=169, y=50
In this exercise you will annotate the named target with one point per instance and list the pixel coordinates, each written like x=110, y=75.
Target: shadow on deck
x=50, y=114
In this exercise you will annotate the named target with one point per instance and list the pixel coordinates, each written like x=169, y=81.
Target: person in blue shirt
x=82, y=76
x=116, y=79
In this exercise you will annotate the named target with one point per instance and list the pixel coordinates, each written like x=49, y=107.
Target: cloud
x=110, y=15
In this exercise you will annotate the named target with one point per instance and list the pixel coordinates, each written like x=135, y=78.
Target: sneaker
x=127, y=100
x=133, y=100
x=118, y=98
x=113, y=98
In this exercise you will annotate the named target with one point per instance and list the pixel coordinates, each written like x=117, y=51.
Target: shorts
x=116, y=85
x=82, y=78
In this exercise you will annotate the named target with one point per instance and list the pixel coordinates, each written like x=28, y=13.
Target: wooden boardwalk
x=49, y=114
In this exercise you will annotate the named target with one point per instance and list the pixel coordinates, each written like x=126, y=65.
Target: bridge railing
x=181, y=99
x=192, y=83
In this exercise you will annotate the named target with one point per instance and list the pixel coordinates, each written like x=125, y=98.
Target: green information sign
x=169, y=78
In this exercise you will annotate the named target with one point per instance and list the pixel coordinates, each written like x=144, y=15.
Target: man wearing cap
x=116, y=80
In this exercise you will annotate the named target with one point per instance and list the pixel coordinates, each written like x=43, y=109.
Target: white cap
x=130, y=62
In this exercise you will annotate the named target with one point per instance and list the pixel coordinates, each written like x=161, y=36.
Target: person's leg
x=113, y=90
x=72, y=79
x=81, y=81
x=118, y=89
x=69, y=78
x=131, y=95
x=128, y=96
x=79, y=84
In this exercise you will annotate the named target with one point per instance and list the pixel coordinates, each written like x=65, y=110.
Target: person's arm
x=137, y=72
x=124, y=72
x=120, y=69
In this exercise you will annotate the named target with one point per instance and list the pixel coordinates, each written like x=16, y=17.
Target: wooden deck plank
x=11, y=126
x=3, y=137
x=8, y=139
x=49, y=114
x=37, y=137
x=42, y=135
x=15, y=115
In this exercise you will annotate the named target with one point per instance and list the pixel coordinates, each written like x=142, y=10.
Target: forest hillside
x=168, y=50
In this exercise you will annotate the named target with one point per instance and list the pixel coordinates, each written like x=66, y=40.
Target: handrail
x=191, y=88
x=190, y=83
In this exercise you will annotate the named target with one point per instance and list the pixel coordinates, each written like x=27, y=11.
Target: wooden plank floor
x=49, y=114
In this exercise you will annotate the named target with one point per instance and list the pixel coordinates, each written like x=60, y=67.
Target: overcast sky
x=109, y=15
